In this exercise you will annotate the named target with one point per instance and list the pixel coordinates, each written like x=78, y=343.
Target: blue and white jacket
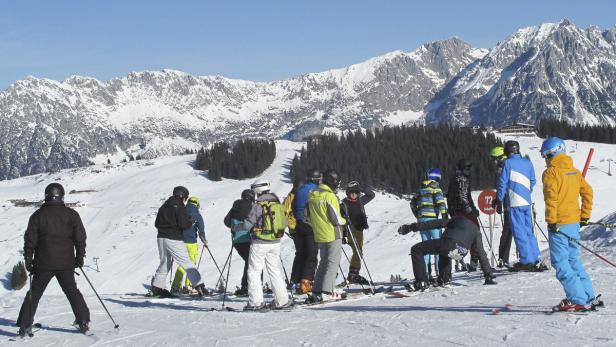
x=516, y=181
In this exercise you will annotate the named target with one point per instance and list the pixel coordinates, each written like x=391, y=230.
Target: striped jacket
x=516, y=181
x=429, y=201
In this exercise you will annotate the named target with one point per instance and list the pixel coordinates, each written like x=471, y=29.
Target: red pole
x=592, y=150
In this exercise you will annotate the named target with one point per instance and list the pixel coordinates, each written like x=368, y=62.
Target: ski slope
x=119, y=213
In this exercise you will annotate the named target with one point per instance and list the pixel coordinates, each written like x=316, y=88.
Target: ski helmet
x=497, y=152
x=314, y=176
x=434, y=174
x=260, y=186
x=248, y=195
x=552, y=146
x=54, y=192
x=465, y=165
x=195, y=201
x=353, y=187
x=512, y=147
x=330, y=178
x=181, y=192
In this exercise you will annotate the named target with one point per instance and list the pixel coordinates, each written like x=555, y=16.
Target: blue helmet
x=552, y=146
x=434, y=174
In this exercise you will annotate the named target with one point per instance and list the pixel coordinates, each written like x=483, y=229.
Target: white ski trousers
x=168, y=251
x=265, y=255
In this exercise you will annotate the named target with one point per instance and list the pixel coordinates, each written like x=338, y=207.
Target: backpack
x=272, y=223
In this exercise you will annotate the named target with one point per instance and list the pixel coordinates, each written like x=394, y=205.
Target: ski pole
x=214, y=260
x=543, y=233
x=361, y=257
x=116, y=325
x=200, y=256
x=586, y=248
x=346, y=281
x=224, y=297
x=488, y=240
x=224, y=266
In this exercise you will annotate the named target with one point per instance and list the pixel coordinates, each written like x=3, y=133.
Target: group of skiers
x=319, y=224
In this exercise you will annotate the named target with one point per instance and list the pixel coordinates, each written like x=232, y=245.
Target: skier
x=171, y=221
x=323, y=212
x=460, y=234
x=305, y=261
x=353, y=209
x=288, y=212
x=498, y=157
x=190, y=240
x=563, y=185
x=54, y=245
x=240, y=233
x=267, y=223
x=516, y=183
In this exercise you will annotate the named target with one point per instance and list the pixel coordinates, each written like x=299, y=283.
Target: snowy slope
x=119, y=219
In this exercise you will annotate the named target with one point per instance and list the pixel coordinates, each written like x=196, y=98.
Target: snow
x=119, y=216
x=403, y=117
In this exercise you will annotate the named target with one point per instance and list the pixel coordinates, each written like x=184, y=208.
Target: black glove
x=29, y=262
x=584, y=222
x=475, y=213
x=552, y=228
x=406, y=228
x=78, y=262
x=498, y=206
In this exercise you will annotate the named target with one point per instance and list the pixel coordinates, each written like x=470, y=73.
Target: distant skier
x=268, y=223
x=54, y=245
x=190, y=240
x=305, y=261
x=515, y=184
x=428, y=204
x=353, y=208
x=563, y=185
x=498, y=157
x=240, y=232
x=323, y=212
x=461, y=232
x=171, y=221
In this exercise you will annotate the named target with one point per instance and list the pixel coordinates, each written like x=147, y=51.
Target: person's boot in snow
x=566, y=305
x=25, y=331
x=418, y=286
x=314, y=298
x=489, y=279
x=443, y=282
x=161, y=292
x=201, y=290
x=82, y=326
x=256, y=308
x=596, y=302
x=241, y=292
x=357, y=279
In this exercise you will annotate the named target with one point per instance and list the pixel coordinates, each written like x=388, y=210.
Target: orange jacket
x=562, y=186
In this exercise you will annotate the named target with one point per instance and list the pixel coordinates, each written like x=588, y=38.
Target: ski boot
x=241, y=292
x=160, y=293
x=501, y=264
x=82, y=326
x=472, y=266
x=443, y=282
x=354, y=278
x=489, y=280
x=567, y=306
x=596, y=302
x=314, y=298
x=201, y=290
x=25, y=331
x=418, y=286
x=256, y=308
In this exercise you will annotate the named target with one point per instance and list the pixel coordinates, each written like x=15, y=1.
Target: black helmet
x=248, y=195
x=464, y=166
x=54, y=192
x=512, y=147
x=314, y=176
x=330, y=178
x=353, y=187
x=181, y=192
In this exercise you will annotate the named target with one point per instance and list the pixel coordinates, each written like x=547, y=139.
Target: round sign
x=485, y=201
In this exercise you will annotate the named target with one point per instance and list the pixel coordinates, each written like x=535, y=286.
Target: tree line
x=245, y=159
x=578, y=132
x=396, y=159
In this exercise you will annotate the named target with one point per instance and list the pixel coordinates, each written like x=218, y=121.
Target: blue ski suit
x=516, y=184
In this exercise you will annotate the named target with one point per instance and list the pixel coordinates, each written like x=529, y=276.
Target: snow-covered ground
x=119, y=216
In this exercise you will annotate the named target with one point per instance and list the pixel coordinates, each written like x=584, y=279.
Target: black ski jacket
x=239, y=210
x=55, y=238
x=354, y=209
x=172, y=219
x=459, y=199
x=460, y=229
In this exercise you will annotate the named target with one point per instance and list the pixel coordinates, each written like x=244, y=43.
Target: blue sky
x=254, y=40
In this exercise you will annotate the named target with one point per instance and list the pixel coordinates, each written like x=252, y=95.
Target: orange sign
x=485, y=201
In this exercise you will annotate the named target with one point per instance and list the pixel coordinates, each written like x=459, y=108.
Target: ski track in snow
x=119, y=220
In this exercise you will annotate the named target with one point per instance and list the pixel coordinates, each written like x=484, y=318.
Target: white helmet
x=260, y=186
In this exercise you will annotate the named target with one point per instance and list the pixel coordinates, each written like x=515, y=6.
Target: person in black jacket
x=353, y=208
x=460, y=234
x=54, y=245
x=171, y=221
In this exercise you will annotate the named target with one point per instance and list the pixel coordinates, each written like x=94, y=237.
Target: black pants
x=504, y=247
x=40, y=280
x=440, y=247
x=305, y=262
x=243, y=249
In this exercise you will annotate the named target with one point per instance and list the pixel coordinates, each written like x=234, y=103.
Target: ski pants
x=565, y=258
x=193, y=254
x=243, y=249
x=440, y=247
x=504, y=246
x=305, y=261
x=168, y=251
x=266, y=255
x=66, y=279
x=358, y=252
x=432, y=234
x=522, y=230
x=329, y=262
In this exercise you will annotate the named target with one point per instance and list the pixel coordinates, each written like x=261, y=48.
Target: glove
x=204, y=241
x=29, y=262
x=78, y=262
x=584, y=222
x=407, y=228
x=498, y=206
x=475, y=213
x=552, y=228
